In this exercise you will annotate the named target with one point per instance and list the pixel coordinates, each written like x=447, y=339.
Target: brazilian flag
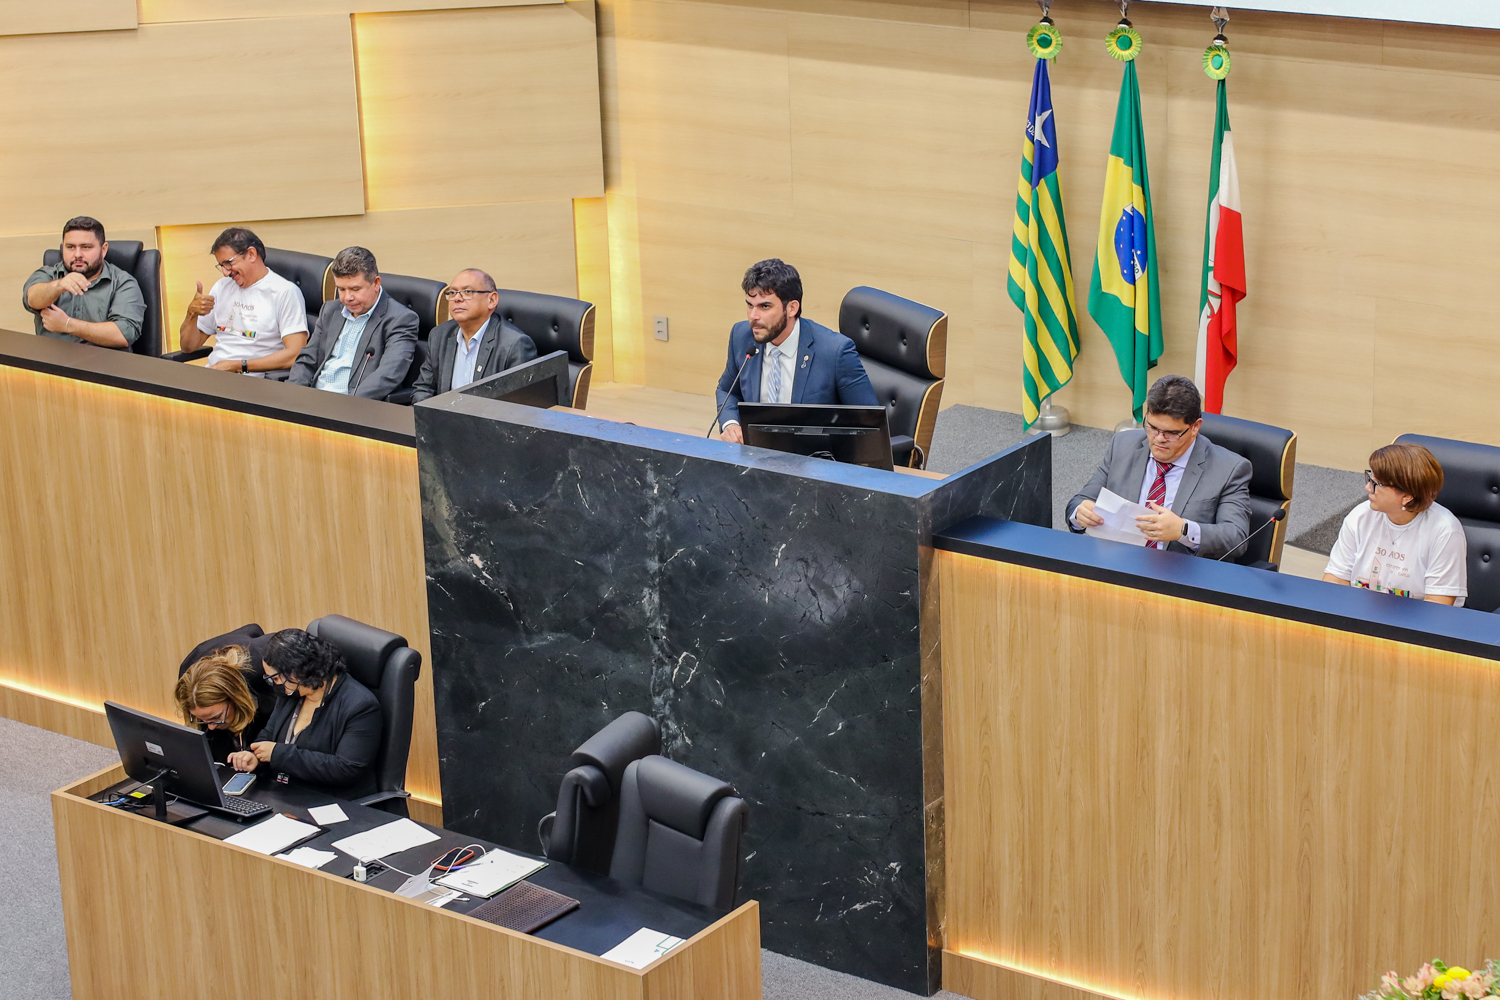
x=1041, y=272
x=1124, y=295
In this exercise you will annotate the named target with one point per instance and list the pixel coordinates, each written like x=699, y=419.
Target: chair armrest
x=201, y=352
x=380, y=798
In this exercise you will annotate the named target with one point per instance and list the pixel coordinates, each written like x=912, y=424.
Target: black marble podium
x=770, y=610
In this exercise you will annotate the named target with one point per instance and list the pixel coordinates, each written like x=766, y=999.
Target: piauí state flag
x=1041, y=271
x=1223, y=268
x=1124, y=297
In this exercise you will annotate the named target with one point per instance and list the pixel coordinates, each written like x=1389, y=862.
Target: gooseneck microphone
x=1280, y=515
x=748, y=355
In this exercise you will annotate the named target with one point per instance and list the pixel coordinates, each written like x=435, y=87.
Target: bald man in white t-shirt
x=257, y=318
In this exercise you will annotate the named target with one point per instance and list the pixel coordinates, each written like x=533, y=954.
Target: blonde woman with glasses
x=212, y=694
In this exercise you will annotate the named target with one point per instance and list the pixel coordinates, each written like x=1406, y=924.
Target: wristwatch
x=245, y=370
x=1184, y=529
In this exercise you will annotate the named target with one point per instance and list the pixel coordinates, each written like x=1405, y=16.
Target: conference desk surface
x=143, y=898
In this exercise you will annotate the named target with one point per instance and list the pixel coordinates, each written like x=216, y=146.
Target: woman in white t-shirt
x=1400, y=541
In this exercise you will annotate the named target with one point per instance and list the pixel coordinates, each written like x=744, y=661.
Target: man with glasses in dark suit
x=474, y=343
x=1198, y=493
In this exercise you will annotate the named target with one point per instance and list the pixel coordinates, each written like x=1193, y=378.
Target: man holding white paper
x=1195, y=493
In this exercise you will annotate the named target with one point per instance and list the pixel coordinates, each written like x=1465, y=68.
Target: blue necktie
x=774, y=360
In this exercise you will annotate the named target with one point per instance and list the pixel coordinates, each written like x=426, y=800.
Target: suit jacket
x=384, y=354
x=829, y=371
x=336, y=753
x=1214, y=490
x=503, y=346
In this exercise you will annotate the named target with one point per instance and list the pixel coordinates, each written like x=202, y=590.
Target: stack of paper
x=642, y=948
x=495, y=871
x=308, y=857
x=392, y=838
x=1119, y=519
x=273, y=835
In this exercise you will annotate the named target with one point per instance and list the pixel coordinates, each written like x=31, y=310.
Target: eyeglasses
x=223, y=265
x=1169, y=436
x=276, y=680
x=464, y=293
x=222, y=720
x=1372, y=483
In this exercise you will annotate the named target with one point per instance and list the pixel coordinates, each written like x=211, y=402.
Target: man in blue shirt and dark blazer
x=797, y=361
x=476, y=342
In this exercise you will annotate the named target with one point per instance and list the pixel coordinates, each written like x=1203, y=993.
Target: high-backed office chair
x=309, y=272
x=132, y=257
x=1272, y=452
x=1471, y=490
x=904, y=348
x=423, y=296
x=679, y=833
x=582, y=831
x=384, y=663
x=556, y=323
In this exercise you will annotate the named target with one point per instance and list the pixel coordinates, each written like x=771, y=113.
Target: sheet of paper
x=1119, y=519
x=392, y=838
x=327, y=815
x=495, y=871
x=642, y=948
x=274, y=835
x=308, y=857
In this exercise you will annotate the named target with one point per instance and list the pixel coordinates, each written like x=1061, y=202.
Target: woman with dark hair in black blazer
x=325, y=734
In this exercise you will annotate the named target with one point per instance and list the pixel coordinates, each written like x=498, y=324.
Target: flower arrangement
x=1436, y=981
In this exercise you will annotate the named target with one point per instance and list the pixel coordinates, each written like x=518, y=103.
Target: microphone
x=1280, y=515
x=748, y=355
x=354, y=379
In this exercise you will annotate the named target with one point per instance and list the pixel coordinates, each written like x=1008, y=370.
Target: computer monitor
x=540, y=382
x=856, y=435
x=149, y=745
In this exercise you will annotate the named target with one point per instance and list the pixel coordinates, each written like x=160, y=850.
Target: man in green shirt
x=84, y=298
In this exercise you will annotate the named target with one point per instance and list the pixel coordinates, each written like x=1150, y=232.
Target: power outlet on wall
x=660, y=324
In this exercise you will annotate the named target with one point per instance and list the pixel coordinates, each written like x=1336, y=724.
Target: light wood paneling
x=478, y=106
x=145, y=908
x=28, y=17
x=896, y=123
x=155, y=126
x=527, y=245
x=78, y=719
x=1150, y=797
x=20, y=255
x=591, y=237
x=155, y=11
x=141, y=526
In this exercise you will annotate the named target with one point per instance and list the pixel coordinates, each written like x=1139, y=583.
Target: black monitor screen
x=857, y=435
x=540, y=382
x=148, y=745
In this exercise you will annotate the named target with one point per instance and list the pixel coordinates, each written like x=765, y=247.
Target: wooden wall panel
x=151, y=129
x=591, y=237
x=1364, y=149
x=479, y=106
x=138, y=526
x=20, y=255
x=156, y=11
x=1149, y=797
x=527, y=245
x=27, y=17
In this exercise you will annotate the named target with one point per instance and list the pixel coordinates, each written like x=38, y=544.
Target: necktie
x=1158, y=492
x=773, y=358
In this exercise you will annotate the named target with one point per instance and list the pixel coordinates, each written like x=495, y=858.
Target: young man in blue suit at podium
x=779, y=357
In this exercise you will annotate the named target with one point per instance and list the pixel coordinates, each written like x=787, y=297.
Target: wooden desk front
x=1174, y=795
x=156, y=911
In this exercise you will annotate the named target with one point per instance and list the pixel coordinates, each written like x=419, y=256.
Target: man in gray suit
x=363, y=341
x=1198, y=492
x=474, y=343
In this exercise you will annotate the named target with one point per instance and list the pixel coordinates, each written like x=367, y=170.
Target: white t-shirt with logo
x=1428, y=555
x=250, y=322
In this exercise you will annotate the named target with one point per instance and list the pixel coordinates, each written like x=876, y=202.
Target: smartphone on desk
x=239, y=784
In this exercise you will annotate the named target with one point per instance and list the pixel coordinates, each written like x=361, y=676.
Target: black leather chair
x=556, y=323
x=132, y=257
x=679, y=833
x=1471, y=490
x=904, y=348
x=423, y=296
x=1272, y=452
x=384, y=663
x=582, y=831
x=309, y=272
